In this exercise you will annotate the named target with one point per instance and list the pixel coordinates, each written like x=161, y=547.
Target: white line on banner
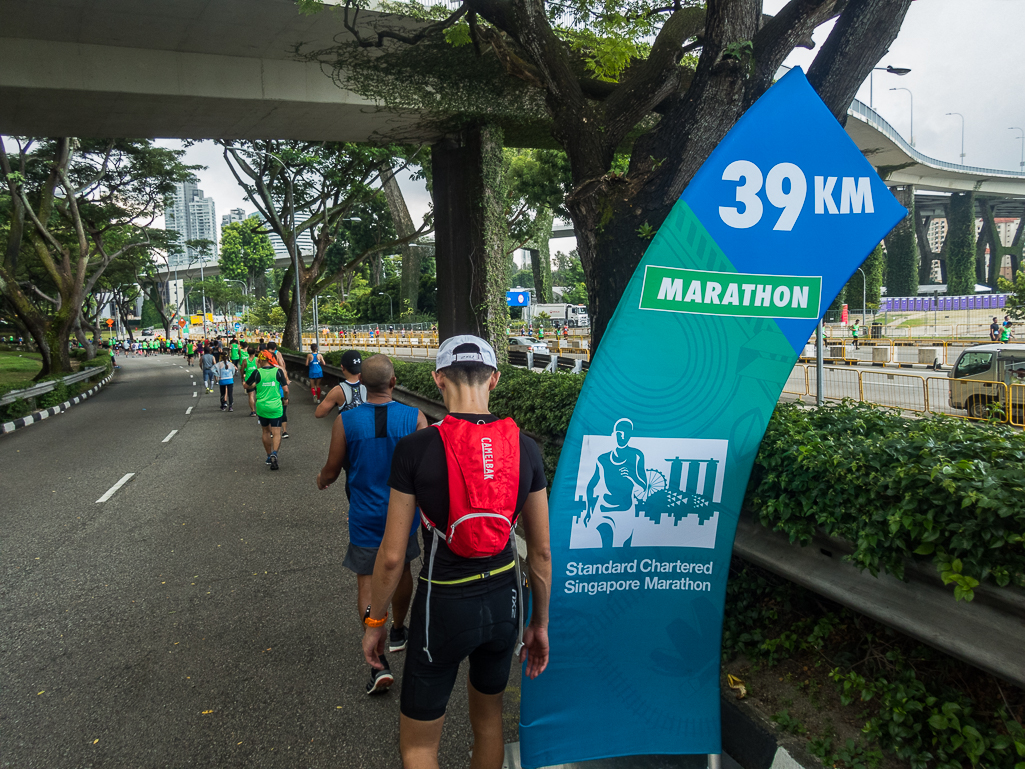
x=170, y=435
x=110, y=492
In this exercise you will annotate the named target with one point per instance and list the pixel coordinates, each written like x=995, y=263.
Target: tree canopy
x=70, y=208
x=663, y=82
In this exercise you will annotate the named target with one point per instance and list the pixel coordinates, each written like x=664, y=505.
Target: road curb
x=39, y=416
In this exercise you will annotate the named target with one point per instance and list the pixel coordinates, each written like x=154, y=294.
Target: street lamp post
x=864, y=294
x=962, y=133
x=912, y=96
x=391, y=306
x=1021, y=165
x=871, y=78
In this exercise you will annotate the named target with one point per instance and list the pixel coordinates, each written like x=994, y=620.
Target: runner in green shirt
x=271, y=388
x=856, y=332
x=247, y=371
x=190, y=351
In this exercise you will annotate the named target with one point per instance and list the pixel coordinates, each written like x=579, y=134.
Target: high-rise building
x=234, y=215
x=936, y=234
x=304, y=241
x=193, y=217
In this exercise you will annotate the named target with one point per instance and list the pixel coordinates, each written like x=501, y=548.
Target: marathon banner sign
x=656, y=461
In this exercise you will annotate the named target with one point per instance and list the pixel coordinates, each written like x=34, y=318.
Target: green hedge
x=942, y=489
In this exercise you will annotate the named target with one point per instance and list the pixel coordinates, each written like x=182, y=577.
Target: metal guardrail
x=45, y=387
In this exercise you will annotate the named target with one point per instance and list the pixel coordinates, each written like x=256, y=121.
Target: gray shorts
x=361, y=559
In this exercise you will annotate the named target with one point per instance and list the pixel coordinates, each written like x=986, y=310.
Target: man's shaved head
x=377, y=373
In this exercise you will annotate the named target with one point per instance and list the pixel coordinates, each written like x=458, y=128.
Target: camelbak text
x=489, y=458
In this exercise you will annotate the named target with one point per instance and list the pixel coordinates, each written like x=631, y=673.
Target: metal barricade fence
x=967, y=398
x=797, y=382
x=1016, y=413
x=901, y=391
x=837, y=383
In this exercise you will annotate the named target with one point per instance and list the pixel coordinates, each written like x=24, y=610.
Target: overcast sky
x=964, y=56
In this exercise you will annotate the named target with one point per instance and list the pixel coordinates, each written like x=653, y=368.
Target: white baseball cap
x=484, y=352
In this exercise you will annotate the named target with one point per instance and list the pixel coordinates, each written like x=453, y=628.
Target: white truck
x=572, y=315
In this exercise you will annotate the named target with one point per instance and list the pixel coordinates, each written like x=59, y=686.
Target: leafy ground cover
x=861, y=694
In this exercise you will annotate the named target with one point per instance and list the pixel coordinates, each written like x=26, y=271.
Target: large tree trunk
x=409, y=286
x=470, y=236
x=541, y=257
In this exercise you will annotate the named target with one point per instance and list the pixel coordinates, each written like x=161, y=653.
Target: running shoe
x=252, y=413
x=380, y=680
x=397, y=640
x=223, y=407
x=284, y=435
x=273, y=461
x=230, y=408
x=268, y=460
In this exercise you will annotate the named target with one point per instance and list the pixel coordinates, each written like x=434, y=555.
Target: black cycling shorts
x=479, y=621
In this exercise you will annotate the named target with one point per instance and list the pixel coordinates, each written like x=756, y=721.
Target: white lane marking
x=188, y=411
x=195, y=394
x=170, y=435
x=110, y=492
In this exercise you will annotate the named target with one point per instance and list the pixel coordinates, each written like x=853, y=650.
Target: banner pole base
x=714, y=761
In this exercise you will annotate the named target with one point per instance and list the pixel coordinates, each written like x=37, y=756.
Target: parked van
x=988, y=374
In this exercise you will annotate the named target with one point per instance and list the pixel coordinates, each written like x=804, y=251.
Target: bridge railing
x=30, y=393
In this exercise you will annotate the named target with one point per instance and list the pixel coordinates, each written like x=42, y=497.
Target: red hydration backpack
x=483, y=484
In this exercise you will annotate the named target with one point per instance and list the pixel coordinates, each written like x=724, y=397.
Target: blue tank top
x=371, y=432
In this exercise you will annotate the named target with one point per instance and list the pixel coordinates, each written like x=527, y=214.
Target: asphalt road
x=201, y=615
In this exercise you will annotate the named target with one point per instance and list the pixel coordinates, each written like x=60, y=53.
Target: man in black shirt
x=464, y=606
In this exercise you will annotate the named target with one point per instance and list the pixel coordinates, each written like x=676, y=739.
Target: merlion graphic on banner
x=647, y=492
x=649, y=488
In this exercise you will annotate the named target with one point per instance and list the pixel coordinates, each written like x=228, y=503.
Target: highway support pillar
x=469, y=239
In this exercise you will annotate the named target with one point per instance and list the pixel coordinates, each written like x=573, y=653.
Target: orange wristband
x=369, y=622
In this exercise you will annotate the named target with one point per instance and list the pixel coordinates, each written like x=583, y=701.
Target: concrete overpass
x=901, y=164
x=176, y=69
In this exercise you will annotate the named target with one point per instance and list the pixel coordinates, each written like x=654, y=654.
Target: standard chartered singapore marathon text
x=659, y=575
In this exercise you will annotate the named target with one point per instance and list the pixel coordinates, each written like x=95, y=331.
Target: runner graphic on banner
x=648, y=490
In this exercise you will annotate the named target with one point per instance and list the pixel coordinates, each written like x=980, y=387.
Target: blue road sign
x=517, y=298
x=649, y=487
x=238, y=326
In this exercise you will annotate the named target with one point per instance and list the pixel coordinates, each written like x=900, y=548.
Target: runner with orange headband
x=271, y=387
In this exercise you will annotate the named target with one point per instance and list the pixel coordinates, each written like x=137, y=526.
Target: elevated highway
x=209, y=69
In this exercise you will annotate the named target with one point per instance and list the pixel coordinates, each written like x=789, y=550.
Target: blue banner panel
x=517, y=298
x=648, y=488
